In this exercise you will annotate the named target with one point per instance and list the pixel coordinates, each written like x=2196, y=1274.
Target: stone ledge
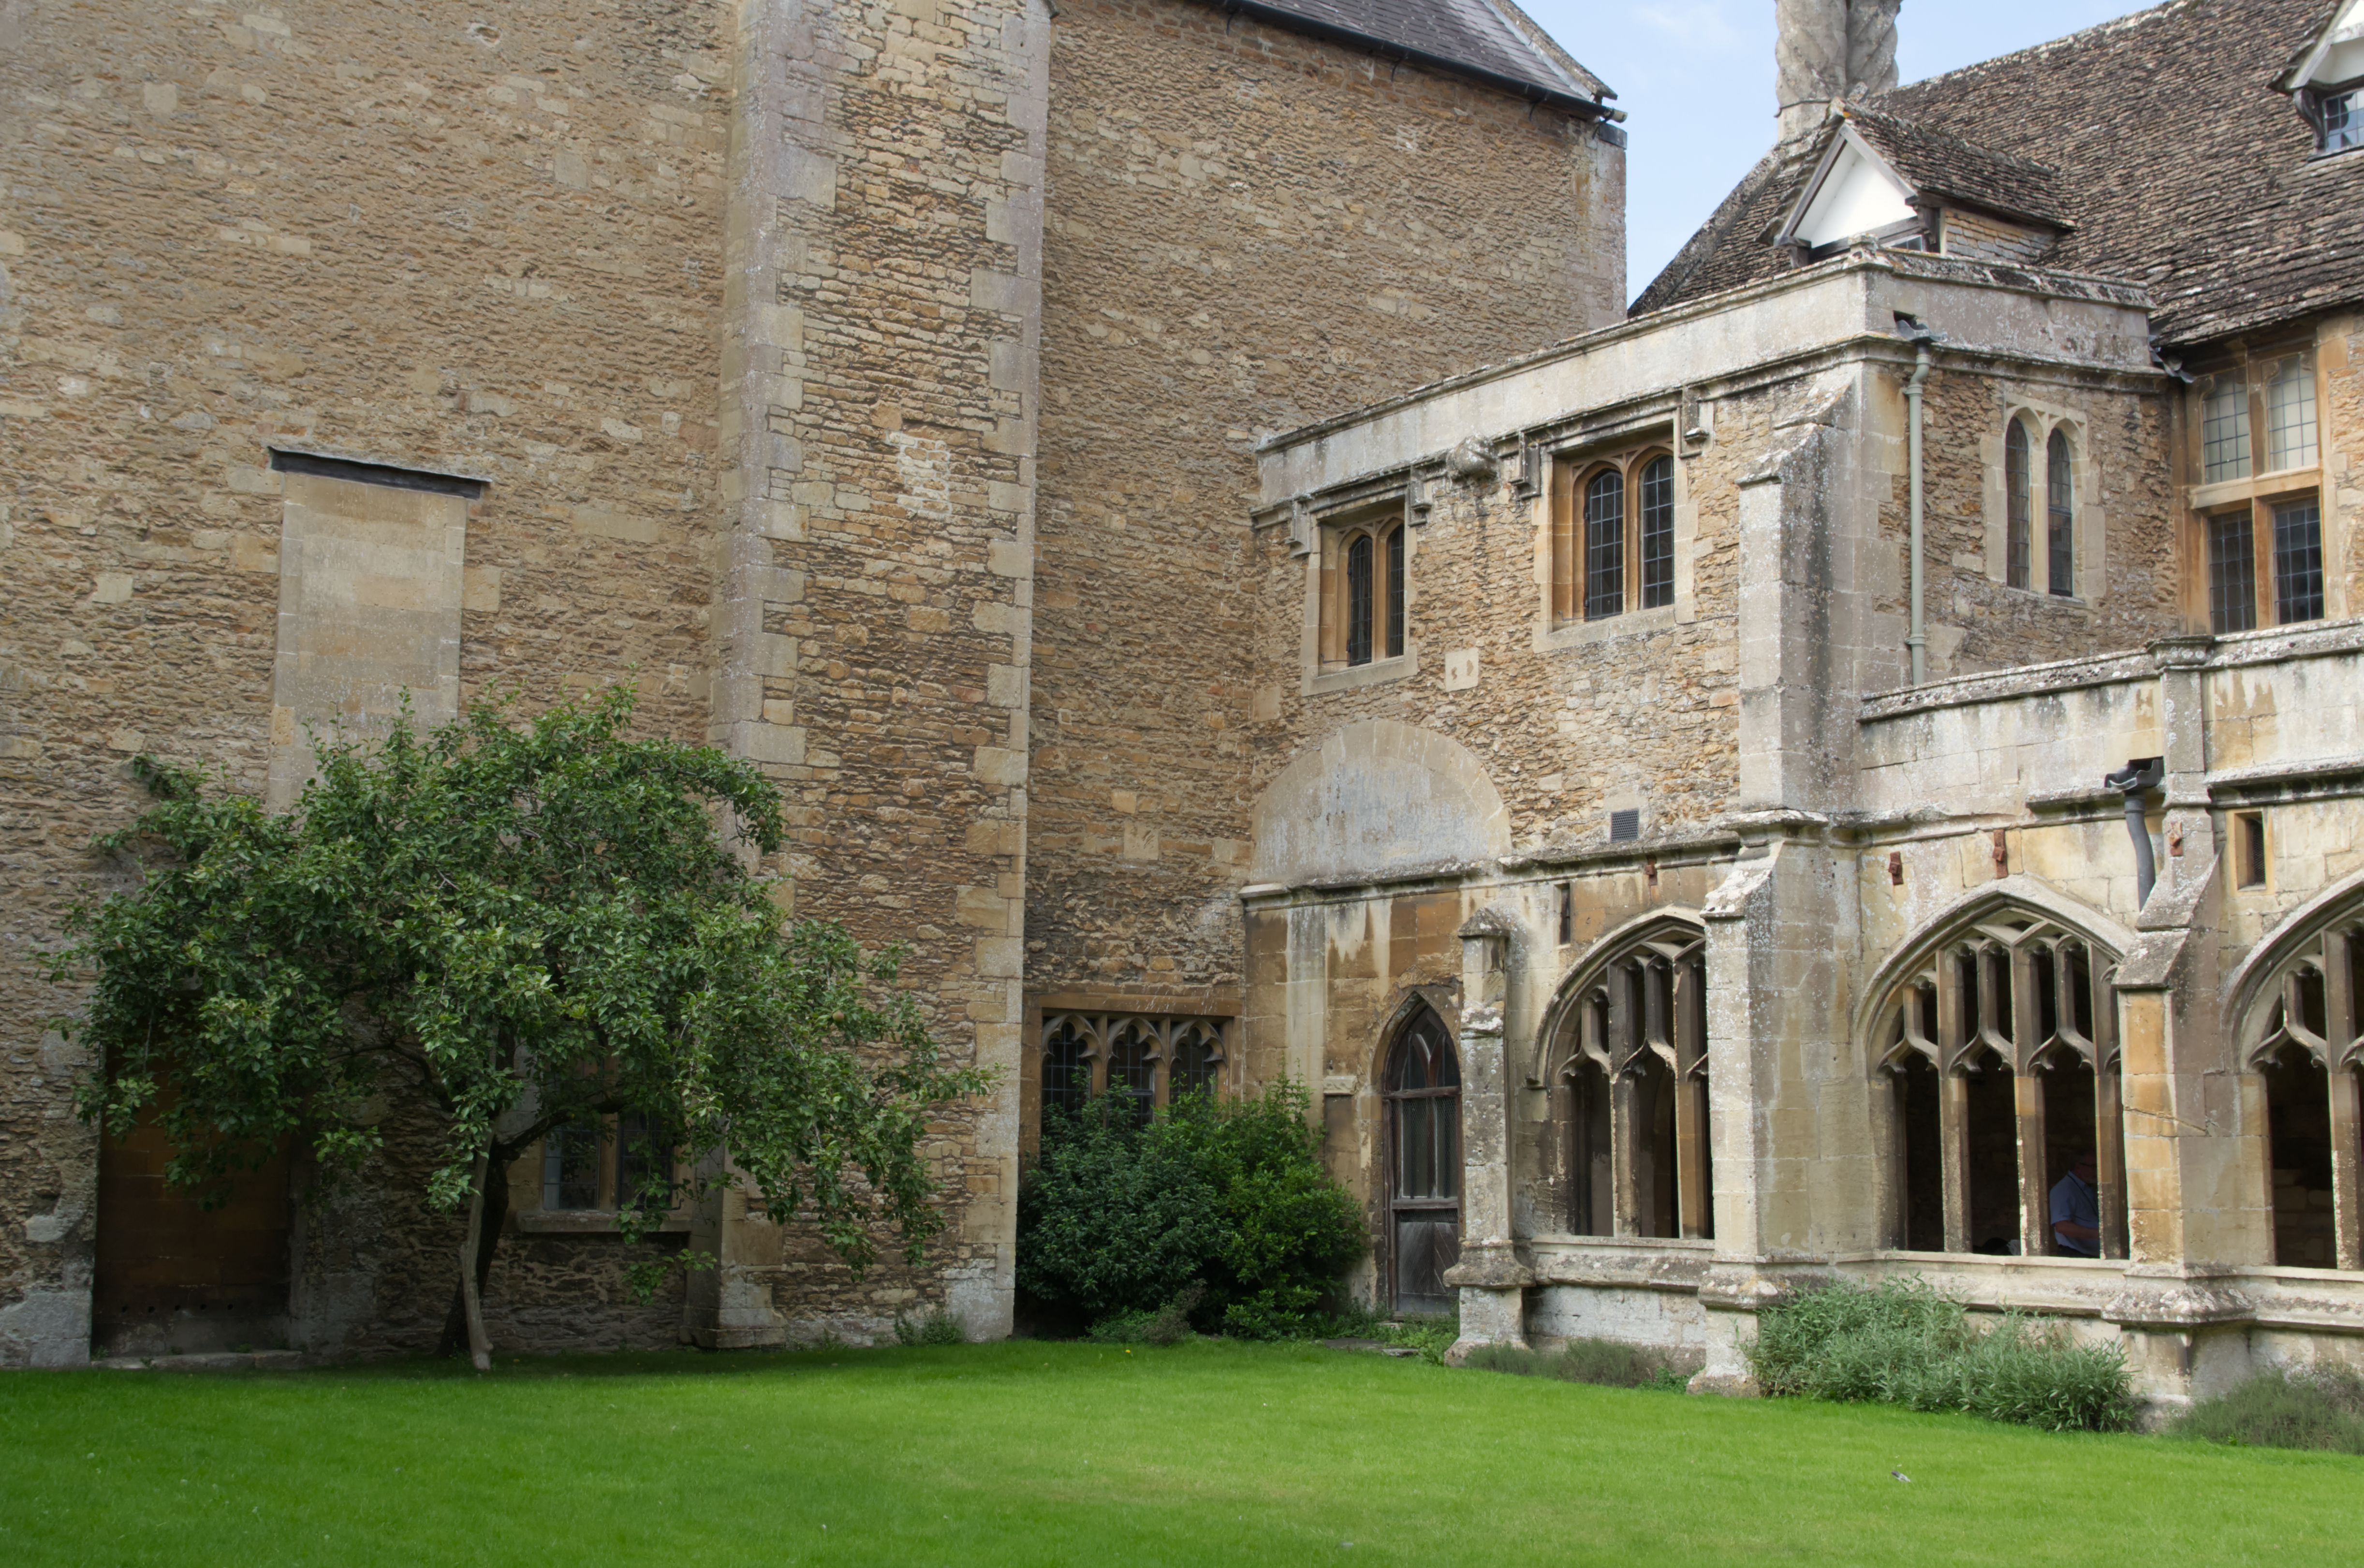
x=588, y=1222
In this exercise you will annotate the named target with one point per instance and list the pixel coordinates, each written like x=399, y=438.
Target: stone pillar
x=1491, y=1279
x=873, y=620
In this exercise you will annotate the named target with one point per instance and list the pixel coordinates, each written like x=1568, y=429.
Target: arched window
x=2001, y=1049
x=1612, y=542
x=2060, y=515
x=1362, y=592
x=1198, y=1054
x=1066, y=1064
x=2301, y=1037
x=1604, y=544
x=1423, y=1132
x=1146, y=1062
x=2018, y=504
x=1658, y=532
x=1629, y=1085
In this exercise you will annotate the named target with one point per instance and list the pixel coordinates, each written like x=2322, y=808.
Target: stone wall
x=1312, y=233
x=412, y=234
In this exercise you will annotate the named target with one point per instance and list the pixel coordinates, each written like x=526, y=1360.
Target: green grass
x=1087, y=1454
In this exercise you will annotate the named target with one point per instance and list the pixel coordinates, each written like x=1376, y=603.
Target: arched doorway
x=1423, y=1094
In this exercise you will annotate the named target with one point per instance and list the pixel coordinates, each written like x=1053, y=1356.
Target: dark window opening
x=1396, y=593
x=570, y=1166
x=1658, y=533
x=1132, y=1071
x=1423, y=1092
x=1656, y=1177
x=2070, y=1110
x=1923, y=1179
x=1625, y=826
x=2249, y=839
x=1197, y=1054
x=2298, y=562
x=2018, y=504
x=1066, y=1069
x=2060, y=511
x=2232, y=574
x=1358, y=600
x=1604, y=545
x=1992, y=1155
x=2298, y=1121
x=1592, y=1179
x=1567, y=913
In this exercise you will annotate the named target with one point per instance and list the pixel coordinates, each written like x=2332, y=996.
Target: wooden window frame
x=2259, y=494
x=608, y=1191
x=1384, y=616
x=1571, y=600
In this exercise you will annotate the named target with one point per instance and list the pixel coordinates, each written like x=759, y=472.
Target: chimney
x=1829, y=50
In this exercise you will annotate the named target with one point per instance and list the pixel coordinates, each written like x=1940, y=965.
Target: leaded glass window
x=2298, y=561
x=2018, y=505
x=1658, y=533
x=2224, y=430
x=2060, y=515
x=570, y=1166
x=2290, y=416
x=1604, y=545
x=2232, y=574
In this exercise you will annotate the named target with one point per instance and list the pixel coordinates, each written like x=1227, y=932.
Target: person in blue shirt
x=2076, y=1209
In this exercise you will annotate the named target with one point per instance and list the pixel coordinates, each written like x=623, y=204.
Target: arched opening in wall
x=1628, y=1067
x=1066, y=1066
x=1423, y=1156
x=1198, y=1056
x=1991, y=1153
x=2305, y=1040
x=1921, y=1182
x=1132, y=1068
x=1592, y=1184
x=2000, y=1044
x=2298, y=1152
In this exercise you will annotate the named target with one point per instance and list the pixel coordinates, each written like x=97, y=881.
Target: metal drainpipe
x=1917, y=640
x=2136, y=779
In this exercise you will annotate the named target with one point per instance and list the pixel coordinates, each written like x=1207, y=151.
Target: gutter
x=1532, y=92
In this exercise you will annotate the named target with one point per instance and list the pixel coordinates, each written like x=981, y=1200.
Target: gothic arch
x=1624, y=1059
x=1377, y=795
x=1995, y=1030
x=2297, y=1023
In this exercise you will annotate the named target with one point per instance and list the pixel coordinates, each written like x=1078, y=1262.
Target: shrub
x=1231, y=1196
x=1603, y=1361
x=938, y=1327
x=1903, y=1344
x=2284, y=1409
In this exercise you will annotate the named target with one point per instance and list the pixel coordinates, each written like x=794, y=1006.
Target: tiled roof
x=1937, y=164
x=1496, y=39
x=2179, y=166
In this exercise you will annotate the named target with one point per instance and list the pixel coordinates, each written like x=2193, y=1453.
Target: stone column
x=1491, y=1279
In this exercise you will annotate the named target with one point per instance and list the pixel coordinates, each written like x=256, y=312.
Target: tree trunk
x=472, y=1285
x=494, y=1197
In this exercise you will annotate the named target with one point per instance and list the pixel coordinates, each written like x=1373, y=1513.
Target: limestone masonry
x=1175, y=496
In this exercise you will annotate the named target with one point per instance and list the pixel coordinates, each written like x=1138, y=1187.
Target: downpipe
x=1917, y=639
x=2136, y=779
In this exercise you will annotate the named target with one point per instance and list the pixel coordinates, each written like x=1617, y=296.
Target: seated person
x=2076, y=1209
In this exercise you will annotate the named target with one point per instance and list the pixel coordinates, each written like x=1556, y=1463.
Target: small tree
x=523, y=925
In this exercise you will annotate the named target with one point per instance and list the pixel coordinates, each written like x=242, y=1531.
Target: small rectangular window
x=2224, y=429
x=1567, y=913
x=2342, y=119
x=2232, y=574
x=570, y=1166
x=2018, y=505
x=1395, y=592
x=2290, y=416
x=1625, y=826
x=2060, y=515
x=2298, y=561
x=2249, y=847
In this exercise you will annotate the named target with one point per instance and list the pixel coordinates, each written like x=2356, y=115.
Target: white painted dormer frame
x=2331, y=67
x=1854, y=193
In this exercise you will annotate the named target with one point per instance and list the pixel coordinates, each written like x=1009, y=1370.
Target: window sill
x=2077, y=602
x=2229, y=491
x=588, y=1222
x=1378, y=672
x=1609, y=629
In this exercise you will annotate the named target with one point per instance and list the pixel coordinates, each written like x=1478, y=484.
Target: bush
x=2284, y=1409
x=938, y=1327
x=1603, y=1361
x=1117, y=1222
x=1903, y=1344
x=1169, y=1325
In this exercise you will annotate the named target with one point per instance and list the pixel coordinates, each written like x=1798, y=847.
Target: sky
x=1696, y=77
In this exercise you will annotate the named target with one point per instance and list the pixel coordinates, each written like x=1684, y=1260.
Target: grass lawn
x=1067, y=1453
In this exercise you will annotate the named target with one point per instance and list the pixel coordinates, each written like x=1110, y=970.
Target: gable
x=1857, y=194
x=2336, y=56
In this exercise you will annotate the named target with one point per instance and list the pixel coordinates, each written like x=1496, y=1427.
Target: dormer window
x=2326, y=82
x=2339, y=119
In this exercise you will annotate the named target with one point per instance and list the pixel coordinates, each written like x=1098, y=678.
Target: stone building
x=1716, y=796
x=854, y=378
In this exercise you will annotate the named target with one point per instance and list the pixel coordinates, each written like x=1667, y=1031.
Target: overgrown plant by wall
x=1117, y=1218
x=2321, y=1409
x=1903, y=1343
